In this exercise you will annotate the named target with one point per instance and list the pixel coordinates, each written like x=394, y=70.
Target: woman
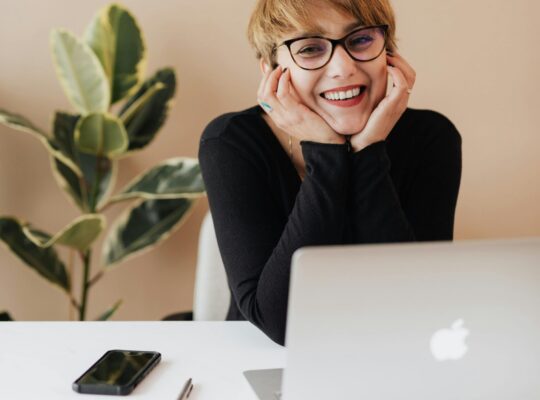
x=328, y=157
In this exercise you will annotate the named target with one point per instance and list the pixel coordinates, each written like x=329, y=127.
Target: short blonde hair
x=273, y=19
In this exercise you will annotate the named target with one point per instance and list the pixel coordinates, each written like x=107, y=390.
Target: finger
x=292, y=110
x=262, y=83
x=271, y=86
x=293, y=92
x=408, y=71
x=291, y=100
x=286, y=94
x=263, y=87
x=398, y=78
x=398, y=56
x=283, y=88
x=286, y=91
x=404, y=66
x=267, y=96
x=400, y=88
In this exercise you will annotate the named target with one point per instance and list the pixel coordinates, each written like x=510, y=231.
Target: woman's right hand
x=288, y=112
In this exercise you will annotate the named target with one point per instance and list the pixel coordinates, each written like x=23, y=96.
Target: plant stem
x=85, y=205
x=96, y=278
x=70, y=273
x=97, y=183
x=73, y=304
x=86, y=257
x=105, y=206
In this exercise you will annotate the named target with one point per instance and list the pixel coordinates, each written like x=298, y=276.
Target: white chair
x=211, y=297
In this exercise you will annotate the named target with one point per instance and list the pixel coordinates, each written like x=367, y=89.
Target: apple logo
x=449, y=344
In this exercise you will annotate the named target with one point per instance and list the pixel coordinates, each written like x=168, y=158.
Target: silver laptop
x=266, y=383
x=415, y=321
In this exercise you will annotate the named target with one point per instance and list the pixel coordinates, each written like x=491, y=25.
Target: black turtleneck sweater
x=398, y=190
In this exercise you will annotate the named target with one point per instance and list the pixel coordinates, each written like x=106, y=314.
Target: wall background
x=476, y=62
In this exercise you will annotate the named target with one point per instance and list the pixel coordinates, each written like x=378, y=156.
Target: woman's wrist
x=359, y=145
x=336, y=139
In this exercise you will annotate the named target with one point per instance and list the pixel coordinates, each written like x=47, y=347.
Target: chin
x=348, y=127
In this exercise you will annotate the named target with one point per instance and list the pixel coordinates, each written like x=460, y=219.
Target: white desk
x=40, y=360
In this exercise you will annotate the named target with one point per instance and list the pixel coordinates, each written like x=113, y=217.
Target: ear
x=264, y=66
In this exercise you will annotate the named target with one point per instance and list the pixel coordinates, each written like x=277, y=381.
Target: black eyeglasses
x=314, y=52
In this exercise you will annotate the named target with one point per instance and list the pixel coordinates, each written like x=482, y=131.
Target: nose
x=341, y=65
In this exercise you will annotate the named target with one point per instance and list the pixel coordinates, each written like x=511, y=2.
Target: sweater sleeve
x=431, y=203
x=427, y=213
x=255, y=246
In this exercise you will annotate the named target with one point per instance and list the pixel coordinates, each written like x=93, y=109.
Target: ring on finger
x=267, y=107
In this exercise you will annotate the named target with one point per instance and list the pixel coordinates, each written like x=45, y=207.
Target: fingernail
x=285, y=69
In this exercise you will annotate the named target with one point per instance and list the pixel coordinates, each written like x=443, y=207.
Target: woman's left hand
x=385, y=116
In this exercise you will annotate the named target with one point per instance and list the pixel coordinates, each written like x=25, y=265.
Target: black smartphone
x=117, y=372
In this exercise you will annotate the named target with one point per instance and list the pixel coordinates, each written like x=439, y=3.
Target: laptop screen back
x=423, y=320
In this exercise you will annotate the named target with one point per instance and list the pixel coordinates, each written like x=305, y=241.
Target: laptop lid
x=415, y=321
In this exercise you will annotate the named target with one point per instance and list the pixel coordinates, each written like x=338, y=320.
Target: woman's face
x=341, y=72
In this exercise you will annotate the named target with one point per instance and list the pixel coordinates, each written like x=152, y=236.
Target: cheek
x=302, y=81
x=304, y=84
x=380, y=81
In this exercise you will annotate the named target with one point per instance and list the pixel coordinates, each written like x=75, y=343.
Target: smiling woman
x=332, y=156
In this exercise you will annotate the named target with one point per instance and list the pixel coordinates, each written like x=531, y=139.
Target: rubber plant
x=103, y=69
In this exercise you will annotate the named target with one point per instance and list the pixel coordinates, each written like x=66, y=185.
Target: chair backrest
x=211, y=296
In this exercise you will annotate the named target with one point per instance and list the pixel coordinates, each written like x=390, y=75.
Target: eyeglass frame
x=334, y=43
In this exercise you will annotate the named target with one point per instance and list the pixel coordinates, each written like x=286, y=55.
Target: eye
x=310, y=48
x=310, y=51
x=360, y=41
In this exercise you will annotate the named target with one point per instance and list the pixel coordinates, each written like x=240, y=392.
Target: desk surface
x=42, y=359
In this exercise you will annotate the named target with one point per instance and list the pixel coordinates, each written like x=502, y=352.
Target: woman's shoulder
x=237, y=135
x=428, y=125
x=232, y=126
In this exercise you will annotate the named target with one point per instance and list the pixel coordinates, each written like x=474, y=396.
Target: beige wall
x=475, y=62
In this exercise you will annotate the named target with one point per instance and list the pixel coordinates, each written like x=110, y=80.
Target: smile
x=346, y=96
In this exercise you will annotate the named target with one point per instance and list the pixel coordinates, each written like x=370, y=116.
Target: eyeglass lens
x=362, y=45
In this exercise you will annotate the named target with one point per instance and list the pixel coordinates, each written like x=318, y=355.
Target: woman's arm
x=427, y=213
x=256, y=240
x=376, y=212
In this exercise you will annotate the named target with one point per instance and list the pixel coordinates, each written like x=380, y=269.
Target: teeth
x=349, y=94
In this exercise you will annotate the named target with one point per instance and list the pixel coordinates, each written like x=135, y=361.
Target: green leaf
x=36, y=235
x=87, y=192
x=64, y=133
x=4, y=317
x=116, y=39
x=84, y=190
x=44, y=261
x=101, y=135
x=80, y=73
x=142, y=227
x=140, y=102
x=79, y=234
x=173, y=178
x=20, y=123
x=109, y=313
x=143, y=119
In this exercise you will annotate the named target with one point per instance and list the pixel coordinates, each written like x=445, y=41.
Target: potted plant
x=103, y=69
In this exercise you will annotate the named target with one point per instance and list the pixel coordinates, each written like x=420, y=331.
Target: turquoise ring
x=267, y=107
